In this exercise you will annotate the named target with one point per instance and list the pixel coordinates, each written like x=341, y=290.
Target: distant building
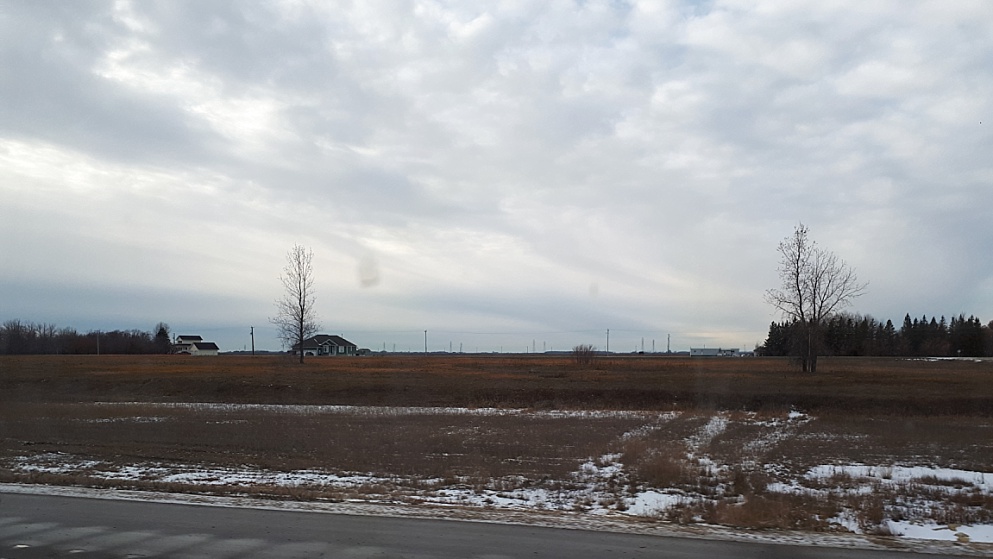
x=194, y=345
x=324, y=344
x=204, y=348
x=719, y=352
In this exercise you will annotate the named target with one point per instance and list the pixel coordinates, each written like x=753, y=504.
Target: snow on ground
x=596, y=490
x=296, y=409
x=953, y=533
x=718, y=424
x=868, y=480
x=653, y=503
x=590, y=497
x=903, y=474
x=535, y=518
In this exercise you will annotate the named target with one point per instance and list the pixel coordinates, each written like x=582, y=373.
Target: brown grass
x=852, y=385
x=777, y=511
x=870, y=411
x=385, y=443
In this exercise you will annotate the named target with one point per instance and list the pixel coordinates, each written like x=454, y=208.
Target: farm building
x=194, y=345
x=324, y=344
x=718, y=352
x=204, y=348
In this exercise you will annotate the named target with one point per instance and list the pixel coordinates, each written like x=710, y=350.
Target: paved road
x=55, y=526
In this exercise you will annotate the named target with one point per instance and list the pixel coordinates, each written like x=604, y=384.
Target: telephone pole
x=253, y=339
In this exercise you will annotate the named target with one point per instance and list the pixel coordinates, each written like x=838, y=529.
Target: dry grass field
x=857, y=385
x=738, y=442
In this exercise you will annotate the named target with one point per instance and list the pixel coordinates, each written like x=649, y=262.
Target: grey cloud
x=660, y=154
x=51, y=93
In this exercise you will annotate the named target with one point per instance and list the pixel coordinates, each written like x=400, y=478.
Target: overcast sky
x=500, y=174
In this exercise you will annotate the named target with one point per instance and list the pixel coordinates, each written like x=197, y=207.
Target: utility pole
x=668, y=339
x=653, y=345
x=253, y=339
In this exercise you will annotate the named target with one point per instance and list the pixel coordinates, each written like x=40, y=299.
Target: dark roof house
x=324, y=344
x=188, y=339
x=194, y=345
x=204, y=348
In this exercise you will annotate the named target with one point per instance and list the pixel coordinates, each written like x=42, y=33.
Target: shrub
x=584, y=355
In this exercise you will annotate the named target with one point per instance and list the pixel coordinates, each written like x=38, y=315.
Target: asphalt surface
x=58, y=526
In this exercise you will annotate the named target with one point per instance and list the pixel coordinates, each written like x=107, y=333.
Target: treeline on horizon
x=854, y=335
x=27, y=338
x=841, y=335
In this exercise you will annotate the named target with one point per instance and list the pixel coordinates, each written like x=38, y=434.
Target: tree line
x=27, y=338
x=853, y=335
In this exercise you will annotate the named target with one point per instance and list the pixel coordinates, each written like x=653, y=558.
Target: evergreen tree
x=163, y=344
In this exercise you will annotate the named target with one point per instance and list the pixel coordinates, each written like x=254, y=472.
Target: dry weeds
x=716, y=433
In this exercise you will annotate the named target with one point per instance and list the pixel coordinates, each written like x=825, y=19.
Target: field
x=871, y=446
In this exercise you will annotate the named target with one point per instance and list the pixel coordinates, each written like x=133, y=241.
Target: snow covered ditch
x=913, y=501
x=914, y=494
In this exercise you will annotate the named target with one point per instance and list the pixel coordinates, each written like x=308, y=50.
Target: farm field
x=890, y=447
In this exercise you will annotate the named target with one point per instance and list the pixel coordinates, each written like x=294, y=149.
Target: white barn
x=717, y=352
x=204, y=348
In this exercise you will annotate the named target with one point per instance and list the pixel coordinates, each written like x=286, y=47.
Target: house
x=323, y=344
x=194, y=345
x=204, y=348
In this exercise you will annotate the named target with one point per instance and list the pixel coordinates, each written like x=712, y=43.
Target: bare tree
x=296, y=317
x=816, y=284
x=584, y=355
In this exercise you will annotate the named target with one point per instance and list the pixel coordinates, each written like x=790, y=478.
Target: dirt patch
x=660, y=439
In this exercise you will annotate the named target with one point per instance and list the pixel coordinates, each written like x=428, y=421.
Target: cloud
x=477, y=167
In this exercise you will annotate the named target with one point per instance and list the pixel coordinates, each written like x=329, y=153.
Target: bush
x=584, y=355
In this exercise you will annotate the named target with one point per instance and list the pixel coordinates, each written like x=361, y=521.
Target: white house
x=194, y=345
x=204, y=348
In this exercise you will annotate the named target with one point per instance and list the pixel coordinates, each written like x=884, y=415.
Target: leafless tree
x=584, y=355
x=815, y=285
x=296, y=317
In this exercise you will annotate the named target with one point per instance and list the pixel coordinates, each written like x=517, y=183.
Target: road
x=57, y=526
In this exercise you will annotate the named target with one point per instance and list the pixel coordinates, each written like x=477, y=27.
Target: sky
x=507, y=176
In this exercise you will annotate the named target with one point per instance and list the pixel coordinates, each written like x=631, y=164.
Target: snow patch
x=654, y=503
x=933, y=531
